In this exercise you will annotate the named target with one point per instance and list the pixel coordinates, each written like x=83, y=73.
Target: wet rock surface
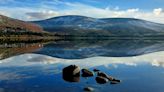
x=72, y=74
x=87, y=73
x=96, y=70
x=115, y=81
x=101, y=80
x=102, y=74
x=72, y=70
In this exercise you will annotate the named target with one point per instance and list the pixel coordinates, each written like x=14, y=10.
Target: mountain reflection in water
x=79, y=49
x=36, y=73
x=37, y=67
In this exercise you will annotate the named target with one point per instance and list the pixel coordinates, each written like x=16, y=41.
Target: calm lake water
x=37, y=67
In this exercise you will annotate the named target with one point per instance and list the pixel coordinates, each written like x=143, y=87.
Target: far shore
x=28, y=38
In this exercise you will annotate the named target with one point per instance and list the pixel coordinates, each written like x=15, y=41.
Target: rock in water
x=102, y=74
x=72, y=70
x=70, y=78
x=115, y=81
x=89, y=89
x=87, y=73
x=96, y=70
x=101, y=80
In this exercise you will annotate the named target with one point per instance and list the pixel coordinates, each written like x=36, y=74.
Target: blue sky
x=151, y=10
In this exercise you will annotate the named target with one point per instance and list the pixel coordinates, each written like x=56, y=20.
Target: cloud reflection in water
x=35, y=67
x=155, y=59
x=43, y=62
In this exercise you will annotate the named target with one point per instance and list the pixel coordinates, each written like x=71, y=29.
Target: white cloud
x=91, y=11
x=45, y=64
x=133, y=10
x=157, y=11
x=154, y=59
x=43, y=12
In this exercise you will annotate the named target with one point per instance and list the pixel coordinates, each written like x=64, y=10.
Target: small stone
x=72, y=70
x=102, y=74
x=87, y=73
x=89, y=89
x=101, y=80
x=96, y=70
x=115, y=81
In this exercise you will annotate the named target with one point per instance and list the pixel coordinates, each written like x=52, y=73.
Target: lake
x=37, y=66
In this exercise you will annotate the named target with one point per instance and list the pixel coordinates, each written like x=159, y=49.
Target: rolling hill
x=87, y=26
x=14, y=25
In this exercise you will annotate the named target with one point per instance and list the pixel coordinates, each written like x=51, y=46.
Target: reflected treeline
x=12, y=47
x=8, y=50
x=78, y=49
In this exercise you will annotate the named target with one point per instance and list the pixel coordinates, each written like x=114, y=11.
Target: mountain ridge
x=75, y=24
x=10, y=24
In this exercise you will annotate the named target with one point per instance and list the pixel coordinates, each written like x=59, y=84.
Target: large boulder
x=87, y=73
x=71, y=73
x=72, y=70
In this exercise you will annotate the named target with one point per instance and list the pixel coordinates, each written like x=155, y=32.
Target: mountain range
x=87, y=26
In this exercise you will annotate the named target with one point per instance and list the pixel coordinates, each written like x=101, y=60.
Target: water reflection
x=79, y=49
x=8, y=50
x=155, y=59
x=71, y=78
x=110, y=48
x=37, y=67
x=34, y=72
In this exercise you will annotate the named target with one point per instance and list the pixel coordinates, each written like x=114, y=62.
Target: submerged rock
x=102, y=74
x=89, y=89
x=96, y=70
x=101, y=80
x=72, y=70
x=115, y=81
x=70, y=78
x=87, y=73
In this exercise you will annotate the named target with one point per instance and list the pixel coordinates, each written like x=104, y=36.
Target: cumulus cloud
x=156, y=15
x=158, y=11
x=42, y=14
x=46, y=11
x=154, y=59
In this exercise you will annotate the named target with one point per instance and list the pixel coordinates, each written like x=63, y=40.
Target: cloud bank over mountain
x=39, y=10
